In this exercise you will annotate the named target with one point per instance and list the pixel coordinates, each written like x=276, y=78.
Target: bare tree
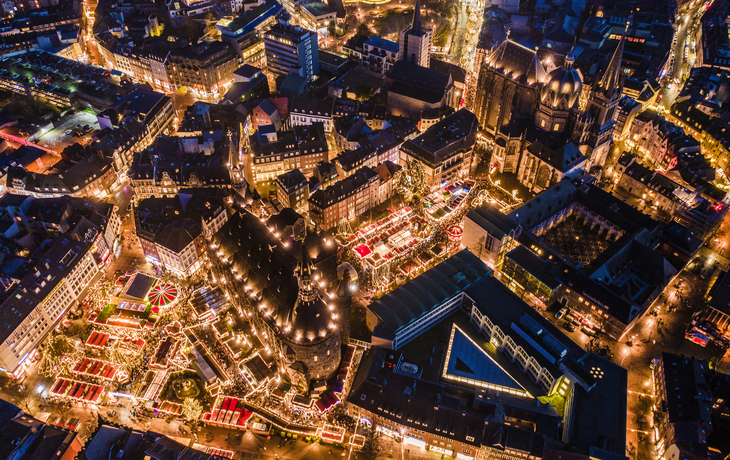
x=372, y=447
x=26, y=400
x=60, y=408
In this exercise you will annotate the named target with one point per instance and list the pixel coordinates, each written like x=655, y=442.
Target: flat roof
x=139, y=286
x=493, y=220
x=333, y=59
x=420, y=295
x=720, y=293
x=598, y=413
x=382, y=43
x=317, y=8
x=505, y=309
x=258, y=15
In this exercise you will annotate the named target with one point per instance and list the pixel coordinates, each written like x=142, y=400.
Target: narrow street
x=687, y=21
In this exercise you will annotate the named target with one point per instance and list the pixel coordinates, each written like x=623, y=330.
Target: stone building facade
x=508, y=86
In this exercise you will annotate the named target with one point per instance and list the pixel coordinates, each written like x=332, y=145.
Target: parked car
x=68, y=131
x=561, y=313
x=570, y=326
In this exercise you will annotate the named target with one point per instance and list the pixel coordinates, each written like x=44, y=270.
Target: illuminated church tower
x=593, y=130
x=415, y=41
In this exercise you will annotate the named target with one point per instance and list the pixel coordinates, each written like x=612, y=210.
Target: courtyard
x=576, y=241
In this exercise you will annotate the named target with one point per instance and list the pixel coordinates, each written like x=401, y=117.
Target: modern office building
x=245, y=33
x=292, y=50
x=316, y=16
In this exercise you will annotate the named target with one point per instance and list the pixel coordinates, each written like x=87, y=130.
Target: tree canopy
x=192, y=409
x=59, y=353
x=411, y=180
x=372, y=447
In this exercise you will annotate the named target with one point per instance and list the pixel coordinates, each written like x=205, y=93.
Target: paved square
x=576, y=241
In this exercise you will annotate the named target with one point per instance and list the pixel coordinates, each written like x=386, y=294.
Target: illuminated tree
x=192, y=409
x=410, y=180
x=57, y=355
x=122, y=357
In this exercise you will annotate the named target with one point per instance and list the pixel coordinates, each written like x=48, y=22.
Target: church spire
x=305, y=266
x=304, y=272
x=416, y=26
x=611, y=77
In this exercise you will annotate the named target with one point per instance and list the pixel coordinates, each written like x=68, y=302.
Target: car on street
x=561, y=313
x=68, y=131
x=570, y=326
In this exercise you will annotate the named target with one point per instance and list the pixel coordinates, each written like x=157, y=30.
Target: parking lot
x=58, y=139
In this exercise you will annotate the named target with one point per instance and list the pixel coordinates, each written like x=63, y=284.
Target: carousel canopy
x=162, y=295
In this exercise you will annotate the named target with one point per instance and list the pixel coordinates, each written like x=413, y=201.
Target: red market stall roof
x=170, y=408
x=228, y=412
x=328, y=400
x=134, y=344
x=98, y=339
x=81, y=391
x=95, y=368
x=363, y=250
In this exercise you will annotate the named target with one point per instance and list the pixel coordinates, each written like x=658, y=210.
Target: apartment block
x=42, y=298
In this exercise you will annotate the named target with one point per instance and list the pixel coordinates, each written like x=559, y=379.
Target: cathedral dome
x=311, y=320
x=562, y=88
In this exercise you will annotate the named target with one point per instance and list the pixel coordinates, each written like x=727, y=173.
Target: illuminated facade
x=262, y=276
x=42, y=298
x=292, y=49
